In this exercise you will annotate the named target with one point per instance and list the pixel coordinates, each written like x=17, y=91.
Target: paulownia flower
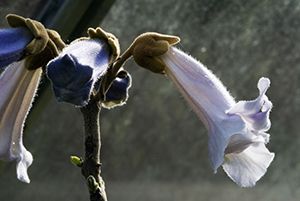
x=75, y=72
x=24, y=50
x=18, y=87
x=237, y=130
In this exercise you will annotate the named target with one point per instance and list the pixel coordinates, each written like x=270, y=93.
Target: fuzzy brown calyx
x=147, y=48
x=46, y=43
x=37, y=29
x=109, y=37
x=52, y=49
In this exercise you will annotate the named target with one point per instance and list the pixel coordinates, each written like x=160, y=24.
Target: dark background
x=154, y=147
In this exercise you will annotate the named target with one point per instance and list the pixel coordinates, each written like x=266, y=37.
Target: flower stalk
x=91, y=166
x=151, y=44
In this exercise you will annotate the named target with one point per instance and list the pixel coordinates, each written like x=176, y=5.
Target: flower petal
x=13, y=42
x=18, y=87
x=256, y=112
x=71, y=81
x=24, y=161
x=74, y=72
x=247, y=167
x=220, y=133
x=117, y=94
x=199, y=83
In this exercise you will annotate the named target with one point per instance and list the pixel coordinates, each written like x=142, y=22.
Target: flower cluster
x=78, y=72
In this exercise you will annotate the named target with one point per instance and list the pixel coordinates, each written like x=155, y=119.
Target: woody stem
x=91, y=167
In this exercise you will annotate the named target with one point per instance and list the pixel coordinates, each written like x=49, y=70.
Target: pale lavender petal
x=256, y=112
x=247, y=167
x=220, y=134
x=18, y=87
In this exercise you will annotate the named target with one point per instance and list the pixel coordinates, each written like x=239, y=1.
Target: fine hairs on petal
x=192, y=74
x=18, y=87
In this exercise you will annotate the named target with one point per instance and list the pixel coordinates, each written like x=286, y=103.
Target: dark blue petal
x=74, y=72
x=13, y=41
x=118, y=91
x=71, y=81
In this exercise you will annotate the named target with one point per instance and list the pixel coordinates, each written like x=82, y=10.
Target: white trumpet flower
x=237, y=130
x=18, y=87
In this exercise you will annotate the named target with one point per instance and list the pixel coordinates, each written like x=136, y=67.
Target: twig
x=91, y=166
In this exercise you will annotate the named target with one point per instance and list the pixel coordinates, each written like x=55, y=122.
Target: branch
x=91, y=166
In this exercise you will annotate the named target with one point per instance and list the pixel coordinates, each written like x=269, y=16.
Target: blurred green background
x=154, y=147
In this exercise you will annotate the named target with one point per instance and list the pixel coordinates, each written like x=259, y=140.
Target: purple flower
x=237, y=130
x=18, y=87
x=75, y=72
x=78, y=67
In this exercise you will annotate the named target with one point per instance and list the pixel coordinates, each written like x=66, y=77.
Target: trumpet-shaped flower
x=18, y=87
x=237, y=130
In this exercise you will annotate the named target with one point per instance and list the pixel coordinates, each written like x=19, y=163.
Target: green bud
x=75, y=160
